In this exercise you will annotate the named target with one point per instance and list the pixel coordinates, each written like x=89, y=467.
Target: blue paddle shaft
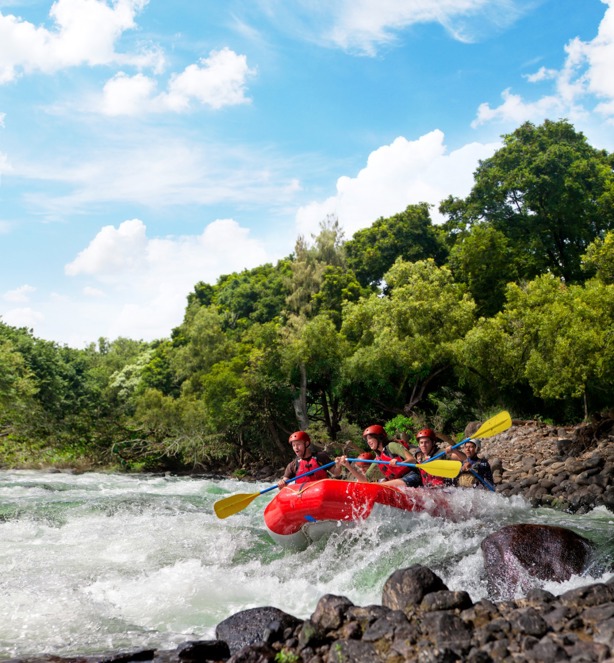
x=298, y=476
x=483, y=481
x=443, y=453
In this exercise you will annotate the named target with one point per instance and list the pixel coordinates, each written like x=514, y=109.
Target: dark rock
x=203, y=650
x=250, y=626
x=563, y=446
x=391, y=625
x=590, y=595
x=437, y=655
x=366, y=615
x=310, y=635
x=407, y=587
x=449, y=630
x=256, y=653
x=539, y=595
x=516, y=554
x=352, y=651
x=446, y=600
x=330, y=611
x=547, y=651
x=532, y=623
x=605, y=633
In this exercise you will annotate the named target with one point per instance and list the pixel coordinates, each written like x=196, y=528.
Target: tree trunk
x=300, y=403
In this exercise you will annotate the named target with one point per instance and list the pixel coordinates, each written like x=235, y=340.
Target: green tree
x=313, y=355
x=548, y=191
x=255, y=295
x=402, y=343
x=310, y=264
x=409, y=235
x=551, y=342
x=484, y=260
x=599, y=258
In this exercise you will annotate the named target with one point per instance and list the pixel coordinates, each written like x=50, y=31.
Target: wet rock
x=253, y=625
x=577, y=626
x=407, y=587
x=330, y=611
x=516, y=554
x=257, y=653
x=203, y=650
x=446, y=600
x=352, y=651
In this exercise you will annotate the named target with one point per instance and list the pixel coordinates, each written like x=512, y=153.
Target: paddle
x=493, y=426
x=235, y=503
x=483, y=481
x=440, y=468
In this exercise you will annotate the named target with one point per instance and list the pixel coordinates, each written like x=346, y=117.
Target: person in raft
x=427, y=442
x=472, y=465
x=371, y=470
x=400, y=476
x=306, y=460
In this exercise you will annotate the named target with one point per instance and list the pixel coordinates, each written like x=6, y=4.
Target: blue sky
x=149, y=145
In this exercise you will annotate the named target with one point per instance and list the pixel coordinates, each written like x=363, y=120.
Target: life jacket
x=392, y=472
x=466, y=480
x=428, y=480
x=305, y=465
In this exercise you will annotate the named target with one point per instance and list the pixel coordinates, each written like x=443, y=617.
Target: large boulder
x=256, y=625
x=517, y=557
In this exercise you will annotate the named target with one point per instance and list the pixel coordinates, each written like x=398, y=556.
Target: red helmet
x=299, y=436
x=426, y=432
x=368, y=455
x=376, y=429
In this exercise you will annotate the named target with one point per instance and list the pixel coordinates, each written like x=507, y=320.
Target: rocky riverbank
x=419, y=619
x=567, y=468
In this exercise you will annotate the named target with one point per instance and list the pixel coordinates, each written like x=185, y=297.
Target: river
x=96, y=562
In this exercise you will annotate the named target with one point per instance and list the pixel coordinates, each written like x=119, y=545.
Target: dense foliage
x=508, y=304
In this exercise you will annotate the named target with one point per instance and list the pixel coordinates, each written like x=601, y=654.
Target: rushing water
x=97, y=562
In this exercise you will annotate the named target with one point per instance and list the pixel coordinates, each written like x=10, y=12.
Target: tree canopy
x=507, y=304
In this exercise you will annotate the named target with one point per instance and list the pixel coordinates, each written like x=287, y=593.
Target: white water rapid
x=97, y=562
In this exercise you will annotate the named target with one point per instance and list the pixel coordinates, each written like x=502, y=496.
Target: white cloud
x=397, y=175
x=21, y=294
x=154, y=169
x=22, y=317
x=582, y=87
x=127, y=95
x=515, y=110
x=84, y=32
x=217, y=81
x=364, y=26
x=88, y=291
x=542, y=74
x=146, y=280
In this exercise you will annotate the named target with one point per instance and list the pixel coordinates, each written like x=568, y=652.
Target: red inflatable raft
x=298, y=515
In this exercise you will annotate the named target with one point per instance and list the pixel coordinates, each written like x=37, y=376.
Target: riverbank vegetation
x=509, y=304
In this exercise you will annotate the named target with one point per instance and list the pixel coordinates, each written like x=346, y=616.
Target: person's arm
x=400, y=450
x=358, y=474
x=456, y=454
x=324, y=459
x=289, y=473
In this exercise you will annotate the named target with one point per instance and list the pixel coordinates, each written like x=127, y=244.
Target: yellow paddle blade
x=233, y=504
x=497, y=424
x=449, y=469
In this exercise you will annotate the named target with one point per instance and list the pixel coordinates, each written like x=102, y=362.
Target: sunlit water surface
x=97, y=562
